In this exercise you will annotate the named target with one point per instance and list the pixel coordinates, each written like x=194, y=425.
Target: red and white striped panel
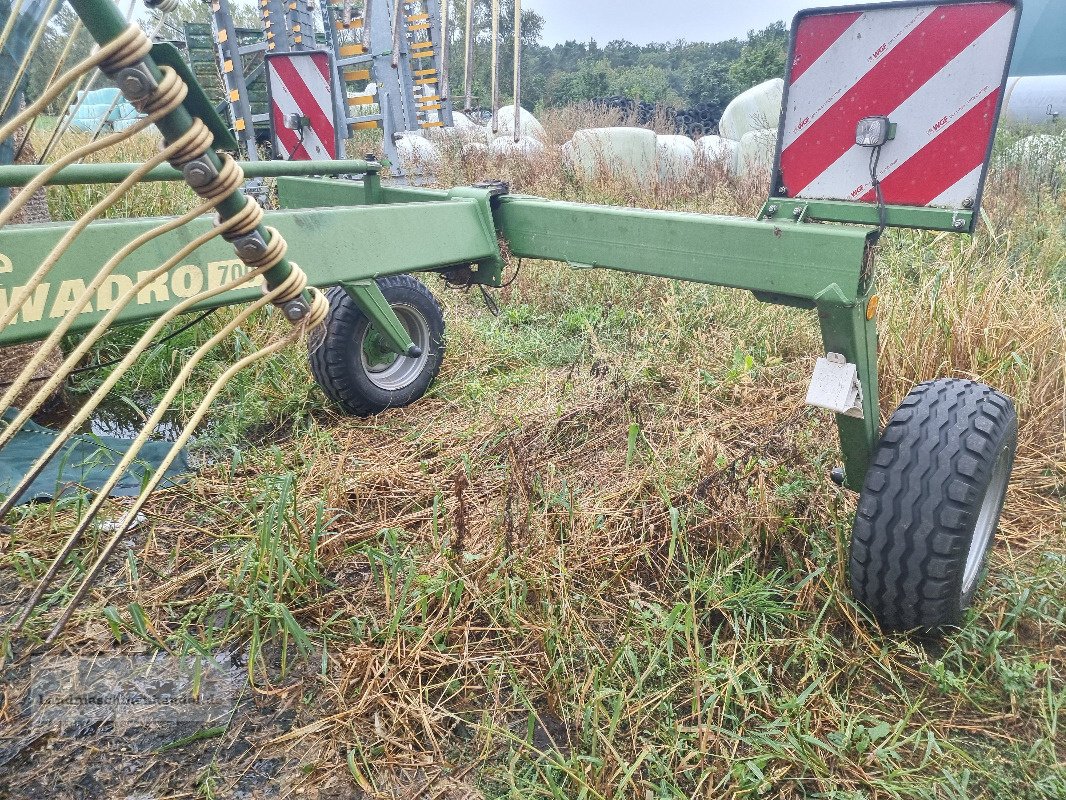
x=299, y=83
x=936, y=70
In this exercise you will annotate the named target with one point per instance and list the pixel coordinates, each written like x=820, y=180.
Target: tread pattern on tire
x=921, y=499
x=330, y=361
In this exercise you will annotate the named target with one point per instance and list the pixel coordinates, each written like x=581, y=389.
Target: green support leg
x=372, y=302
x=846, y=330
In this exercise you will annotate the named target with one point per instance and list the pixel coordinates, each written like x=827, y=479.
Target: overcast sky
x=663, y=20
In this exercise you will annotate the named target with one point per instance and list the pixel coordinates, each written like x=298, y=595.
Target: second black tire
x=931, y=503
x=353, y=367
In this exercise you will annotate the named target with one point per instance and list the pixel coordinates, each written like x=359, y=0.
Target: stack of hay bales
x=418, y=151
x=745, y=146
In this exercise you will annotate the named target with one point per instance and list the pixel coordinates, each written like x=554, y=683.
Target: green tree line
x=680, y=73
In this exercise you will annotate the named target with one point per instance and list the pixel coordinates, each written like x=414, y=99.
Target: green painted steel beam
x=932, y=219
x=796, y=261
x=847, y=330
x=315, y=193
x=20, y=175
x=333, y=246
x=296, y=193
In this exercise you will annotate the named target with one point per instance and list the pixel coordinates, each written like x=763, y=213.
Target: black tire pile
x=700, y=120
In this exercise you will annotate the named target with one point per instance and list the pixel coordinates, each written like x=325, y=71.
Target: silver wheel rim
x=390, y=371
x=987, y=520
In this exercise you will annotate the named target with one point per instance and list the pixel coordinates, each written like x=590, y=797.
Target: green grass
x=602, y=558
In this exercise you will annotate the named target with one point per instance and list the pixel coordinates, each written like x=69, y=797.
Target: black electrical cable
x=882, y=209
x=160, y=343
x=113, y=361
x=517, y=272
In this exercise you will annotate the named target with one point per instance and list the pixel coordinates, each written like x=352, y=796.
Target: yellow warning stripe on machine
x=426, y=82
x=357, y=75
x=425, y=26
x=418, y=17
x=223, y=36
x=362, y=126
x=432, y=125
x=238, y=124
x=357, y=22
x=420, y=45
x=362, y=100
x=351, y=50
x=436, y=107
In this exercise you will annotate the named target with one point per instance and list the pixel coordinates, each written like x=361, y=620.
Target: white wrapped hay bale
x=417, y=151
x=759, y=108
x=525, y=146
x=627, y=153
x=677, y=156
x=528, y=126
x=475, y=149
x=462, y=122
x=756, y=153
x=1035, y=100
x=720, y=151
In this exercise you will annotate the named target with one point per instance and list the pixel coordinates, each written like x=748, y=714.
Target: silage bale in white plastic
x=416, y=151
x=628, y=153
x=475, y=148
x=759, y=108
x=529, y=125
x=756, y=152
x=677, y=156
x=719, y=150
x=462, y=121
x=525, y=146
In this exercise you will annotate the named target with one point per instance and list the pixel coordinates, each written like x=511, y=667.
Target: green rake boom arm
x=346, y=232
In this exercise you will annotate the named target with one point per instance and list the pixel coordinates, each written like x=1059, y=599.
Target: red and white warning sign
x=935, y=70
x=301, y=105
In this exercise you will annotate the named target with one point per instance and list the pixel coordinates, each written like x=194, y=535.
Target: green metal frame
x=344, y=232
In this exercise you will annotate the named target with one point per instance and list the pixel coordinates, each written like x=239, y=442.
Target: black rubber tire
x=337, y=363
x=935, y=490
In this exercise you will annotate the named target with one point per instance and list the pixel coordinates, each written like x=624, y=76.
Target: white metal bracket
x=835, y=386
